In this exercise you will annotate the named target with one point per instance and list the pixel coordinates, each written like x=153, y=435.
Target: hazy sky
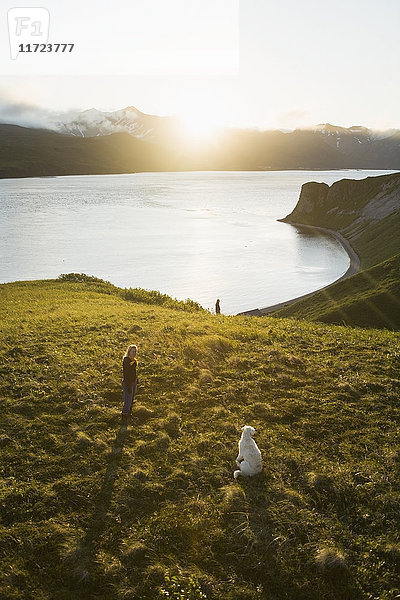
x=262, y=63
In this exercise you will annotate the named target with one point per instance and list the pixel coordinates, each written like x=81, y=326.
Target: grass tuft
x=331, y=561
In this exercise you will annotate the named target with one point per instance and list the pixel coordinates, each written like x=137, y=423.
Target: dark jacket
x=129, y=371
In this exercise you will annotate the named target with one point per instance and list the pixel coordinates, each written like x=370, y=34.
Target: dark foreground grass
x=93, y=510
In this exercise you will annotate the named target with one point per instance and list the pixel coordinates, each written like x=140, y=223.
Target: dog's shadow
x=253, y=531
x=265, y=539
x=257, y=491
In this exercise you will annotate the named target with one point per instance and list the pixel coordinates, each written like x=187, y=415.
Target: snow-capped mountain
x=93, y=122
x=128, y=140
x=341, y=135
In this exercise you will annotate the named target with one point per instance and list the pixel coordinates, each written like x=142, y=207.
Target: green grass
x=91, y=510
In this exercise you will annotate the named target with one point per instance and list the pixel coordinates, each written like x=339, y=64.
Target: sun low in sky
x=200, y=117
x=215, y=63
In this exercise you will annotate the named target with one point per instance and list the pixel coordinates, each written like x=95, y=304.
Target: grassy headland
x=367, y=214
x=95, y=511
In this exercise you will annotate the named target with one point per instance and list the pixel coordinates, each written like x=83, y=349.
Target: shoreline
x=353, y=268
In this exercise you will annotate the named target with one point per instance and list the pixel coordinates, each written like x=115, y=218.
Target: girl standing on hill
x=129, y=382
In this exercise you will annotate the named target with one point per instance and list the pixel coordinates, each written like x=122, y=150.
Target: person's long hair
x=129, y=349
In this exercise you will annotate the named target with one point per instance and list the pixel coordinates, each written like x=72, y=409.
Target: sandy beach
x=354, y=267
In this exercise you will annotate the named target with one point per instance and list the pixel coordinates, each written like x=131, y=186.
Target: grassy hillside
x=93, y=510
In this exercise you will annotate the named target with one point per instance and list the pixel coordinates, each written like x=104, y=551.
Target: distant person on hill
x=129, y=382
x=217, y=308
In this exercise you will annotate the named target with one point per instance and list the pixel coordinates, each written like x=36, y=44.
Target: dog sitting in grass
x=249, y=458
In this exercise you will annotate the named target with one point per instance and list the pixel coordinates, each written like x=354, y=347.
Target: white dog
x=249, y=458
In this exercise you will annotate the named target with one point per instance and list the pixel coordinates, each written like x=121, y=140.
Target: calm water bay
x=198, y=235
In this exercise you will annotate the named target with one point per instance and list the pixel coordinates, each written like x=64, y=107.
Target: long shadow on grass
x=256, y=560
x=83, y=559
x=278, y=562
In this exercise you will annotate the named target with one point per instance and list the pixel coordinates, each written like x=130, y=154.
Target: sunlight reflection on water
x=199, y=235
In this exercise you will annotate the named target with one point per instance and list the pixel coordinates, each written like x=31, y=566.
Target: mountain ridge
x=30, y=152
x=93, y=122
x=83, y=123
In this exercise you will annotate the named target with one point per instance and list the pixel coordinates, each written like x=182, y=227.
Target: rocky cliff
x=366, y=212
